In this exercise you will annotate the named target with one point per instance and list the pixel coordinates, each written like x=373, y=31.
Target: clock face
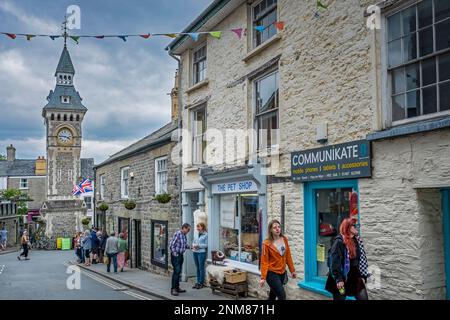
x=65, y=136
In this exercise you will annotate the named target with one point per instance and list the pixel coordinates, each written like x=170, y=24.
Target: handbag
x=127, y=256
x=105, y=259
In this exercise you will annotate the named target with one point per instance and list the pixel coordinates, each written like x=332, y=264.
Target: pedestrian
x=25, y=243
x=199, y=246
x=123, y=250
x=94, y=246
x=3, y=238
x=178, y=246
x=103, y=246
x=347, y=263
x=111, y=250
x=77, y=246
x=276, y=255
x=86, y=243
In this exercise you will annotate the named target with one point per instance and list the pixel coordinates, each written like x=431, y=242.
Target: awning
x=32, y=213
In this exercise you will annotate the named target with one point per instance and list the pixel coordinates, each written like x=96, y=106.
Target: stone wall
x=36, y=190
x=12, y=226
x=142, y=189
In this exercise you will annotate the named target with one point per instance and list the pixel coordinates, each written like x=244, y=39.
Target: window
x=102, y=187
x=418, y=45
x=23, y=183
x=264, y=15
x=125, y=176
x=3, y=183
x=69, y=175
x=198, y=134
x=161, y=175
x=59, y=175
x=88, y=202
x=159, y=243
x=199, y=65
x=266, y=102
x=239, y=228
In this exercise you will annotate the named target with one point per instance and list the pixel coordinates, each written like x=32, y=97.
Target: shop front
x=330, y=191
x=237, y=215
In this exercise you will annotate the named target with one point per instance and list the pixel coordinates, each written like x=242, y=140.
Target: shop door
x=191, y=271
x=124, y=227
x=446, y=221
x=137, y=243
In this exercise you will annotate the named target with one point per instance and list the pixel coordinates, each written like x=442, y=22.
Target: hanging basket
x=129, y=204
x=163, y=198
x=86, y=221
x=103, y=207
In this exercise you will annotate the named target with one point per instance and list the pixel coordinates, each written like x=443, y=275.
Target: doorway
x=446, y=222
x=124, y=227
x=137, y=244
x=193, y=201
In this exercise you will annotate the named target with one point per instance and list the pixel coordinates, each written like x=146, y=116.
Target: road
x=45, y=277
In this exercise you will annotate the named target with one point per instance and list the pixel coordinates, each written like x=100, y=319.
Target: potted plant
x=129, y=204
x=163, y=197
x=86, y=221
x=103, y=207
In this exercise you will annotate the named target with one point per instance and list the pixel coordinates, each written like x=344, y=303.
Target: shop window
x=198, y=135
x=418, y=45
x=326, y=205
x=199, y=65
x=161, y=175
x=159, y=236
x=264, y=15
x=266, y=102
x=240, y=228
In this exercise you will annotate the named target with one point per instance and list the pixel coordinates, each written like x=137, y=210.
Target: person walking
x=3, y=238
x=102, y=254
x=123, y=250
x=111, y=250
x=276, y=255
x=94, y=246
x=348, y=264
x=178, y=246
x=199, y=246
x=86, y=244
x=25, y=242
x=77, y=246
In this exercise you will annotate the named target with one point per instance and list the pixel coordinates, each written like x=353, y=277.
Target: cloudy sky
x=123, y=84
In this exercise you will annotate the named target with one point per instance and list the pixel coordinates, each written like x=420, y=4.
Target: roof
x=159, y=137
x=54, y=99
x=65, y=63
x=18, y=167
x=87, y=168
x=207, y=19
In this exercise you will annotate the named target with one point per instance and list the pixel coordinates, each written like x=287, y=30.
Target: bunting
x=195, y=36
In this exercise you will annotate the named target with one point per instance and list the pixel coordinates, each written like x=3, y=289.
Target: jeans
x=275, y=282
x=112, y=257
x=177, y=264
x=25, y=250
x=199, y=259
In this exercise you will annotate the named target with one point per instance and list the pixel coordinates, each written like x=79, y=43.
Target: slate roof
x=153, y=140
x=65, y=63
x=26, y=167
x=54, y=99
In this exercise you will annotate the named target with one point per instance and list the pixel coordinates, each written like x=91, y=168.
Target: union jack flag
x=86, y=186
x=76, y=190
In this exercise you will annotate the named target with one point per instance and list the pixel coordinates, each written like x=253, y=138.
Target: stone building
x=142, y=172
x=342, y=119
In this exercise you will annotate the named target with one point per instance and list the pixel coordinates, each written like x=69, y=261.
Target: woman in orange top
x=275, y=256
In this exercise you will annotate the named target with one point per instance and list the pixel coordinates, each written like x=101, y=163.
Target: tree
x=2, y=157
x=20, y=197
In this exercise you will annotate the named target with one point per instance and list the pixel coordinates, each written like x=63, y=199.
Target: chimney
x=10, y=153
x=174, y=96
x=41, y=166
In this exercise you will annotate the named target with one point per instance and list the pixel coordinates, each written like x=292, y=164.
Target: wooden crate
x=234, y=290
x=234, y=276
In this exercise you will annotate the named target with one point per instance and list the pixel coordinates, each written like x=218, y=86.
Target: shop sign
x=342, y=161
x=234, y=187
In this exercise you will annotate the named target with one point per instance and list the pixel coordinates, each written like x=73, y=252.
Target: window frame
x=193, y=114
x=257, y=117
x=102, y=186
x=159, y=185
x=196, y=72
x=387, y=71
x=21, y=186
x=122, y=182
x=253, y=22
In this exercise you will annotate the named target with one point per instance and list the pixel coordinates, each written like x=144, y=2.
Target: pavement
x=10, y=250
x=154, y=284
x=48, y=276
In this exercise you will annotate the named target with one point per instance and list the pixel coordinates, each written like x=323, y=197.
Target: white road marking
x=2, y=267
x=111, y=285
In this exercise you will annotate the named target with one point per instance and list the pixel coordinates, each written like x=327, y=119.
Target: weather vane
x=64, y=27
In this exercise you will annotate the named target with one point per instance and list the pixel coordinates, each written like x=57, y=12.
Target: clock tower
x=63, y=116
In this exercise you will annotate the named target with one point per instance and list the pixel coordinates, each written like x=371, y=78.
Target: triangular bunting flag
x=29, y=36
x=100, y=37
x=238, y=32
x=216, y=34
x=194, y=36
x=320, y=5
x=124, y=38
x=75, y=38
x=54, y=37
x=260, y=28
x=145, y=36
x=171, y=35
x=279, y=26
x=11, y=35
